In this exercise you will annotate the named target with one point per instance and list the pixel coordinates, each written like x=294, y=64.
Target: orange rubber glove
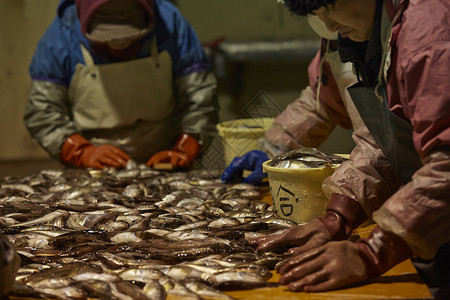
x=181, y=156
x=78, y=151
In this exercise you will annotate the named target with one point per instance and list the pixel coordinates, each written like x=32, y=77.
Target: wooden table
x=401, y=282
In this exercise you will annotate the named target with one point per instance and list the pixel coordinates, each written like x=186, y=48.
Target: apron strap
x=391, y=8
x=154, y=51
x=87, y=56
x=390, y=16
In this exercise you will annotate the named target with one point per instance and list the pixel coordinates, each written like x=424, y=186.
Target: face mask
x=319, y=27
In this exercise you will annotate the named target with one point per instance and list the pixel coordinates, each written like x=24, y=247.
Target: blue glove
x=251, y=161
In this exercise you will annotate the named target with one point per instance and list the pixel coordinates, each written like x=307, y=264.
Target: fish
x=232, y=280
x=135, y=292
x=142, y=274
x=305, y=158
x=204, y=290
x=136, y=233
x=153, y=289
x=44, y=219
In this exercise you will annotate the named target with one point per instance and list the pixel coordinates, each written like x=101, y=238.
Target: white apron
x=127, y=104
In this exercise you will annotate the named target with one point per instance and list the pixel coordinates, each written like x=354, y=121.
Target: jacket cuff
x=187, y=144
x=73, y=148
x=343, y=215
x=382, y=251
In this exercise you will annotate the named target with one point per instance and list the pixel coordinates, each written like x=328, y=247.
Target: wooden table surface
x=401, y=282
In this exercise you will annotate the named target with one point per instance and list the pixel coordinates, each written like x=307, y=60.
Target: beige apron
x=344, y=76
x=127, y=104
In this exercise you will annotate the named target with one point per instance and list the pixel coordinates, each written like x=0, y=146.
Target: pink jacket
x=418, y=90
x=301, y=124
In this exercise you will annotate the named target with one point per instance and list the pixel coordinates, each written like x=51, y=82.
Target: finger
x=317, y=281
x=301, y=270
x=157, y=158
x=108, y=160
x=325, y=285
x=300, y=249
x=121, y=155
x=301, y=259
x=174, y=160
x=185, y=163
x=117, y=161
x=270, y=244
x=295, y=251
x=111, y=154
x=234, y=170
x=255, y=177
x=259, y=240
x=183, y=160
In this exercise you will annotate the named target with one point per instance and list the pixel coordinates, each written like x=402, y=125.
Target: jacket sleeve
x=301, y=124
x=47, y=116
x=197, y=96
x=195, y=82
x=305, y=122
x=367, y=177
x=419, y=211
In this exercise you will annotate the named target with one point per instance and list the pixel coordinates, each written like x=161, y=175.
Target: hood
x=87, y=8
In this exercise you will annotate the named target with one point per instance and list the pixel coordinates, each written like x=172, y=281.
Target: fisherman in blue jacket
x=120, y=79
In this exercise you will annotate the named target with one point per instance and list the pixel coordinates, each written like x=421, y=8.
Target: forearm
x=419, y=212
x=47, y=116
x=367, y=177
x=301, y=124
x=197, y=97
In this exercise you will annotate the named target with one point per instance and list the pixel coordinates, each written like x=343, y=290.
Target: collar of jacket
x=365, y=56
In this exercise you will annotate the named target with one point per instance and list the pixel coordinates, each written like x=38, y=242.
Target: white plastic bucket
x=241, y=135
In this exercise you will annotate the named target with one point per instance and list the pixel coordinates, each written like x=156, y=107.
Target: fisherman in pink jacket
x=399, y=178
x=310, y=119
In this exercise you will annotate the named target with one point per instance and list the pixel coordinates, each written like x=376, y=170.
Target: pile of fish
x=306, y=158
x=136, y=233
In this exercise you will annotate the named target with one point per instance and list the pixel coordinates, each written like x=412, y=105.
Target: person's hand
x=327, y=267
x=296, y=239
x=175, y=158
x=181, y=156
x=251, y=161
x=342, y=216
x=78, y=151
x=103, y=156
x=337, y=264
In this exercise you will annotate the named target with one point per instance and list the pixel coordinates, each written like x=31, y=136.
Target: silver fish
x=141, y=274
x=44, y=219
x=154, y=290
